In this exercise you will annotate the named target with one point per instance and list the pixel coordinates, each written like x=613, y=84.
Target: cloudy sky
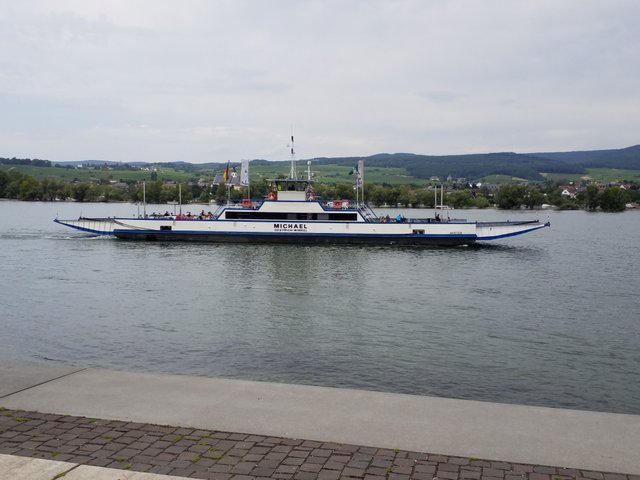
x=222, y=80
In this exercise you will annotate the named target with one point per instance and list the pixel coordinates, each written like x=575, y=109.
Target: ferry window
x=345, y=217
x=247, y=215
x=307, y=216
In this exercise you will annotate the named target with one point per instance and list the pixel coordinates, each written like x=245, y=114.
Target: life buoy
x=246, y=203
x=272, y=195
x=337, y=204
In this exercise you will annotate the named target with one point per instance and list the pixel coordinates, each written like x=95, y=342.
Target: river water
x=550, y=318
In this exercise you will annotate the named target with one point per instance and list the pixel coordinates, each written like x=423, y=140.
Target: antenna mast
x=292, y=173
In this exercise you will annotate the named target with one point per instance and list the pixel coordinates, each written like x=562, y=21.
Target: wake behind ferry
x=292, y=213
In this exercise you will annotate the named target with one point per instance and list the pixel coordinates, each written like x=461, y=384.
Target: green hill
x=623, y=158
x=392, y=168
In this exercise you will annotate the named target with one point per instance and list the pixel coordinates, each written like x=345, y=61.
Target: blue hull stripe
x=289, y=234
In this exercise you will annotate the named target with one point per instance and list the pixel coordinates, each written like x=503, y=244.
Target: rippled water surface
x=550, y=318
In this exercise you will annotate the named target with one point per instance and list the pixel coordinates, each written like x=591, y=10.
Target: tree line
x=19, y=186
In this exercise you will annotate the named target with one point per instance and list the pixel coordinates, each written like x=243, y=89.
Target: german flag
x=226, y=174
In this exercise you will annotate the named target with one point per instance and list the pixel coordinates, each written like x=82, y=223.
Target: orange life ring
x=246, y=202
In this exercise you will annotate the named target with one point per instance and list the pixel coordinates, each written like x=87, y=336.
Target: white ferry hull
x=304, y=232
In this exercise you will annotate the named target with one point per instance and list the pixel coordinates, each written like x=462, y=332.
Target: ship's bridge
x=291, y=189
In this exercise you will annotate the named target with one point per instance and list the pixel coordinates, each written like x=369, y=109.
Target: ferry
x=292, y=213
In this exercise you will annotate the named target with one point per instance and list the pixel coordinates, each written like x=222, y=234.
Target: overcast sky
x=212, y=80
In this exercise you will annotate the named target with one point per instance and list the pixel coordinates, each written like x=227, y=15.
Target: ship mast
x=293, y=174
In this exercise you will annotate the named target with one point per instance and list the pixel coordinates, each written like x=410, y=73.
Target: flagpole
x=226, y=178
x=362, y=176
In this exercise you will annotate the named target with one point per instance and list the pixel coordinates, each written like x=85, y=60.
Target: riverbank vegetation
x=202, y=189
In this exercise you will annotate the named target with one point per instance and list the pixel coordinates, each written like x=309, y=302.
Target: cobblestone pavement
x=211, y=454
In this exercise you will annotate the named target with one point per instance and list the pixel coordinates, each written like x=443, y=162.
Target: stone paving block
x=277, y=449
x=321, y=452
x=539, y=476
x=545, y=469
x=160, y=469
x=346, y=448
x=318, y=460
x=492, y=472
x=470, y=474
x=362, y=456
x=304, y=475
x=447, y=475
x=407, y=462
x=377, y=471
x=268, y=463
x=310, y=467
x=244, y=445
x=293, y=461
x=514, y=476
x=262, y=472
x=329, y=465
x=358, y=464
x=398, y=476
x=615, y=476
x=424, y=468
x=220, y=467
x=299, y=453
x=594, y=475
x=287, y=469
x=237, y=452
x=381, y=462
x=243, y=468
x=521, y=468
x=402, y=469
x=217, y=476
x=100, y=462
x=328, y=475
x=353, y=472
x=437, y=458
x=473, y=462
x=250, y=457
x=339, y=458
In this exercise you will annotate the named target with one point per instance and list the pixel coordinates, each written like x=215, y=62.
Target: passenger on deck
x=437, y=217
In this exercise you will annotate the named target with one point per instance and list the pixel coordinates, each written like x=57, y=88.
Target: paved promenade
x=188, y=427
x=210, y=454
